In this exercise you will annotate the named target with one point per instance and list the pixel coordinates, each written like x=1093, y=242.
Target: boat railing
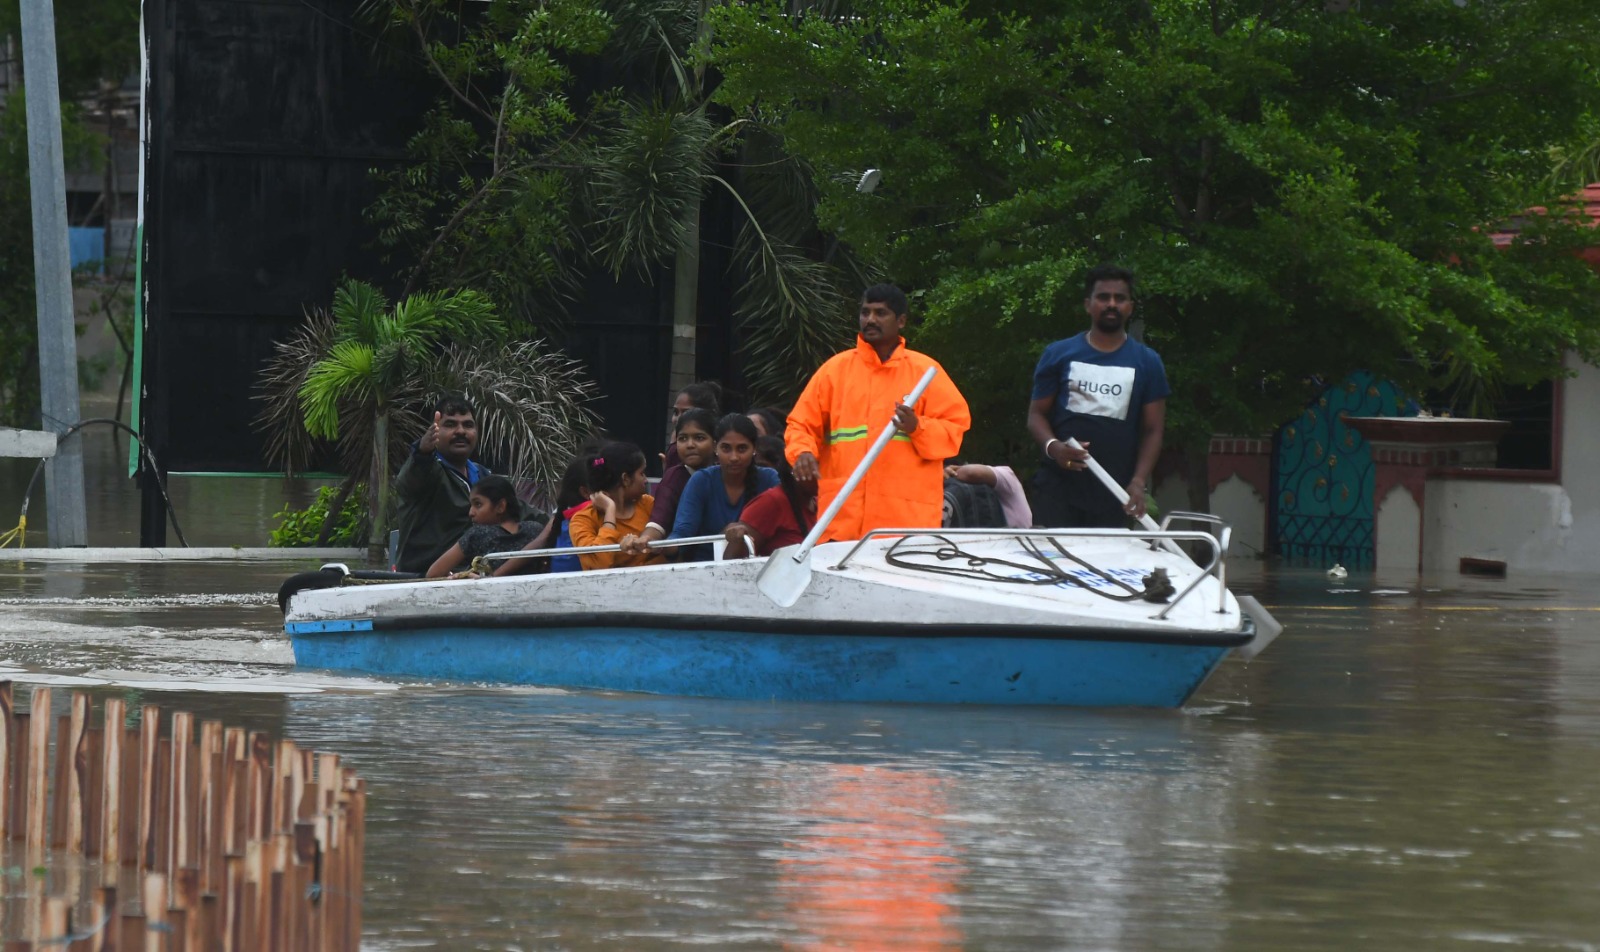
x=601, y=549
x=1224, y=542
x=1218, y=547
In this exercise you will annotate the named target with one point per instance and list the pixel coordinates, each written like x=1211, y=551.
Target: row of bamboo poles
x=146, y=842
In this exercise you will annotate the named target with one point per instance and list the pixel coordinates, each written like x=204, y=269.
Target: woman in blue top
x=716, y=495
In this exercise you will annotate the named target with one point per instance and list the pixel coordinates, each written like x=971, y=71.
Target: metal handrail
x=1225, y=542
x=598, y=549
x=1215, y=567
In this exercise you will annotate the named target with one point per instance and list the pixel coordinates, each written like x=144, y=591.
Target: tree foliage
x=357, y=373
x=1302, y=192
x=577, y=136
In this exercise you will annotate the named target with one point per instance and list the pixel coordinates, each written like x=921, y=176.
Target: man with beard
x=846, y=404
x=434, y=484
x=1110, y=393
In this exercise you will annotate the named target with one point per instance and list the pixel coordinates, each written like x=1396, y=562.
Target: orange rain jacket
x=847, y=403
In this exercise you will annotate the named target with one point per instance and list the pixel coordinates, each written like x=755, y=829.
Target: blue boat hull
x=1076, y=669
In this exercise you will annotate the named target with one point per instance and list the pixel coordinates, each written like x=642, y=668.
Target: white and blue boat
x=992, y=616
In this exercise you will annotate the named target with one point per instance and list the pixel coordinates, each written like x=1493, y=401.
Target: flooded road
x=1408, y=766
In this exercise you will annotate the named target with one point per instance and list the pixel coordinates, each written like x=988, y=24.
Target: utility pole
x=52, y=275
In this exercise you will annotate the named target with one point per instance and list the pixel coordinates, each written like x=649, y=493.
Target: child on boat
x=694, y=442
x=619, y=506
x=717, y=495
x=979, y=496
x=778, y=517
x=497, y=526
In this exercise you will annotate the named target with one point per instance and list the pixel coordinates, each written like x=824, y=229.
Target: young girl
x=778, y=517
x=716, y=495
x=694, y=443
x=619, y=506
x=497, y=526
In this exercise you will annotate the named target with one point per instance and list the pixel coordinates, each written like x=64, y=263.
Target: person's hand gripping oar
x=1122, y=495
x=788, y=571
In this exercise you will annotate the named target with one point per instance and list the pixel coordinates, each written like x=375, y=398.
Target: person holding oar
x=847, y=400
x=1106, y=391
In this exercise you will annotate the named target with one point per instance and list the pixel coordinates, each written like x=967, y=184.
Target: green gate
x=1323, y=476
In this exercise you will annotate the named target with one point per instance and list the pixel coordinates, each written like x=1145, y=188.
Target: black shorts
x=1074, y=501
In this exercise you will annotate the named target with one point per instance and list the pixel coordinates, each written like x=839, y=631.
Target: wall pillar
x=1405, y=452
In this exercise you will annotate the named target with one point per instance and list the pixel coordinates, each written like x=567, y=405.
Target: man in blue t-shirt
x=1108, y=391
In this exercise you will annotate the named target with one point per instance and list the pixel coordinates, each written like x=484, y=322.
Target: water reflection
x=872, y=869
x=1411, y=770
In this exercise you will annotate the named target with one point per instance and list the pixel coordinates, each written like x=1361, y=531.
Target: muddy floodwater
x=1413, y=765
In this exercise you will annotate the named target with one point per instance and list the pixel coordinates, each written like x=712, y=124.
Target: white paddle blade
x=785, y=578
x=1267, y=628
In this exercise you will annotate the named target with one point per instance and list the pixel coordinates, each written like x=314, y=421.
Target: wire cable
x=19, y=534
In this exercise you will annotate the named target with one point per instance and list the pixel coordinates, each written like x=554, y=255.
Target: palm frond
x=648, y=174
x=358, y=309
x=289, y=444
x=791, y=316
x=342, y=378
x=532, y=402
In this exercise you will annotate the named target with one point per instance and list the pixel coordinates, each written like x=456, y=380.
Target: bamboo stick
x=107, y=930
x=261, y=786
x=94, y=745
x=233, y=909
x=210, y=807
x=54, y=926
x=21, y=729
x=76, y=757
x=161, y=823
x=58, y=789
x=149, y=738
x=186, y=895
x=181, y=810
x=110, y=828
x=7, y=774
x=155, y=912
x=38, y=777
x=132, y=757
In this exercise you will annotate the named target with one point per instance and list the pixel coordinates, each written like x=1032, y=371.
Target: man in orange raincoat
x=848, y=402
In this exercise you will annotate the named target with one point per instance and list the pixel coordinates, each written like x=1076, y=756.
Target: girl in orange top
x=620, y=507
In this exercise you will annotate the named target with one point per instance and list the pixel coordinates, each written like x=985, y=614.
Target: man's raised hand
x=430, y=438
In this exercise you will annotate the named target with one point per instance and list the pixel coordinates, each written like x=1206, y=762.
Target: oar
x=787, y=573
x=1111, y=484
x=1122, y=496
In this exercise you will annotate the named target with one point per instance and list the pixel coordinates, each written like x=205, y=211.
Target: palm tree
x=518, y=190
x=357, y=373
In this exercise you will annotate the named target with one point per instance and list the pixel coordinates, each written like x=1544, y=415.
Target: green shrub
x=299, y=527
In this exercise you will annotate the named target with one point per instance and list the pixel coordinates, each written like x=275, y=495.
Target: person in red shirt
x=777, y=517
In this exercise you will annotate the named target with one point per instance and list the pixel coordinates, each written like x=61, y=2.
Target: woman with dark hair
x=769, y=452
x=770, y=421
x=695, y=443
x=619, y=506
x=716, y=495
x=700, y=395
x=778, y=517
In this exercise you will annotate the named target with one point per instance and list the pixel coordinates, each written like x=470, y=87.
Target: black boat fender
x=333, y=575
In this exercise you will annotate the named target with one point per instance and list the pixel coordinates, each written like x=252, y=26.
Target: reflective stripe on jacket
x=847, y=403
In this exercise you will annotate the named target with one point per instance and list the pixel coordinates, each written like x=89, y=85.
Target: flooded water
x=1408, y=766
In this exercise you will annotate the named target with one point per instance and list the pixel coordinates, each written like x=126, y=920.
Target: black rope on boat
x=1043, y=572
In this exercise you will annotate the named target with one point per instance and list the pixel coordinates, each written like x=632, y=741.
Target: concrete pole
x=52, y=275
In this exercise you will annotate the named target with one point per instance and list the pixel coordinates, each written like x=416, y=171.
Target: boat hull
x=1077, y=668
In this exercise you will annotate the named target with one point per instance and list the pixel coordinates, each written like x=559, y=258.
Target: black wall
x=266, y=116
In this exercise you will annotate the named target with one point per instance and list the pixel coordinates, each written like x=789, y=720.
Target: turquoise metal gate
x=1323, y=478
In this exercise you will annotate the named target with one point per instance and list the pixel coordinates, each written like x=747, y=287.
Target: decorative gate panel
x=1323, y=476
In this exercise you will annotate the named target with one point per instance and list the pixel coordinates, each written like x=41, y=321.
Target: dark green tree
x=1303, y=192
x=519, y=183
